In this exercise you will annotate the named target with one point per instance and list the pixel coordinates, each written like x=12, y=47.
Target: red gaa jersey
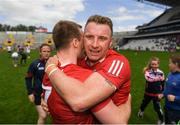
x=59, y=109
x=47, y=87
x=115, y=68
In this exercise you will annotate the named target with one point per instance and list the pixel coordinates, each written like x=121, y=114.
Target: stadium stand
x=154, y=44
x=20, y=38
x=160, y=34
x=167, y=21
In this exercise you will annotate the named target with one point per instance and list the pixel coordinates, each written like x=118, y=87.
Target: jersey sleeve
x=177, y=99
x=46, y=82
x=153, y=78
x=116, y=70
x=148, y=77
x=101, y=105
x=28, y=79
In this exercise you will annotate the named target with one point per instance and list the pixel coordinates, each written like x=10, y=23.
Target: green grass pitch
x=15, y=107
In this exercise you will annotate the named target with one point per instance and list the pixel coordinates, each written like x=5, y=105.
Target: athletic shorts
x=37, y=100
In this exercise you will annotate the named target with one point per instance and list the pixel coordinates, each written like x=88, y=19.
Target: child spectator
x=154, y=86
x=172, y=92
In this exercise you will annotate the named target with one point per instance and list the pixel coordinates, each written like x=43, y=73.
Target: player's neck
x=67, y=57
x=92, y=63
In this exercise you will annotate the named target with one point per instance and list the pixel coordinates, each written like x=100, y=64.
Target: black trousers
x=171, y=116
x=23, y=60
x=156, y=104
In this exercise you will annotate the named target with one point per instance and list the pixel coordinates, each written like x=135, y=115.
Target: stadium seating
x=168, y=43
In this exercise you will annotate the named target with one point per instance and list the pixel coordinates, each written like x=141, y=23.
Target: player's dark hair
x=64, y=31
x=44, y=44
x=175, y=59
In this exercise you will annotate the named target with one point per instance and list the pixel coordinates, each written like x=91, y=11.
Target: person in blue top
x=34, y=78
x=172, y=92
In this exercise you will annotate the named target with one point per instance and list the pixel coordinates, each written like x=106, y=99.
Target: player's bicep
x=98, y=87
x=109, y=114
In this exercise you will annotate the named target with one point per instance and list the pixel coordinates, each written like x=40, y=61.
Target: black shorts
x=37, y=99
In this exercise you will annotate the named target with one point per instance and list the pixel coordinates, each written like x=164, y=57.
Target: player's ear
x=110, y=44
x=75, y=42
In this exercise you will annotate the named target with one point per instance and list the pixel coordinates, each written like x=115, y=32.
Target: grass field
x=15, y=107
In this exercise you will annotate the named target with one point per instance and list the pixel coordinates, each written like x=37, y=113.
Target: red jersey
x=47, y=87
x=115, y=68
x=59, y=109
